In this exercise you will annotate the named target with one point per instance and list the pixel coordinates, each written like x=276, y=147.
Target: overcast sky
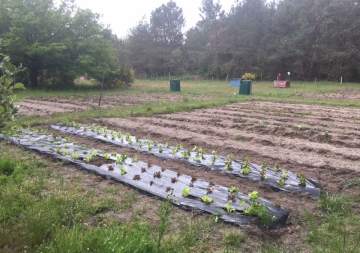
x=125, y=14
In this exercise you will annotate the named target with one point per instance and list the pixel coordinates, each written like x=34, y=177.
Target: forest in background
x=308, y=38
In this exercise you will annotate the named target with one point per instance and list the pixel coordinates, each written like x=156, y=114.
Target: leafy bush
x=122, y=76
x=248, y=76
x=7, y=85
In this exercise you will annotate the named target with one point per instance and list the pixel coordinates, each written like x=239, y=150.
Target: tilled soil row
x=346, y=94
x=49, y=105
x=329, y=163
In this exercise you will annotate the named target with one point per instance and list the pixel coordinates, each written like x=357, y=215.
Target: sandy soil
x=49, y=105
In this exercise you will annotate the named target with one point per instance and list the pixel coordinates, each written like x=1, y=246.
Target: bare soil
x=341, y=94
x=291, y=134
x=58, y=104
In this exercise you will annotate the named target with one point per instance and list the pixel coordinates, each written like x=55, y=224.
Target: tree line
x=308, y=38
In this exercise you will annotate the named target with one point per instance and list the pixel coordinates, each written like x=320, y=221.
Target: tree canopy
x=50, y=40
x=309, y=38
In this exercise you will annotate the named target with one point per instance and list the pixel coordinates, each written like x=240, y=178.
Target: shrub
x=7, y=85
x=248, y=76
x=122, y=76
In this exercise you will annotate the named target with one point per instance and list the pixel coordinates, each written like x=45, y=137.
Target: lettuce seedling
x=245, y=170
x=106, y=156
x=134, y=159
x=74, y=156
x=206, y=199
x=263, y=176
x=302, y=181
x=185, y=192
x=139, y=143
x=277, y=167
x=184, y=154
x=196, y=158
x=257, y=209
x=281, y=181
x=122, y=170
x=228, y=208
x=160, y=149
x=227, y=165
x=233, y=189
x=88, y=158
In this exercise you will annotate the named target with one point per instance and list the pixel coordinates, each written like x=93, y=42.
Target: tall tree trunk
x=34, y=72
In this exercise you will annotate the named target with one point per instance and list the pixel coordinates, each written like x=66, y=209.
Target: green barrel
x=174, y=85
x=245, y=87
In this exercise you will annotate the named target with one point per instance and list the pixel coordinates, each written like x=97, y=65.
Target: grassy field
x=47, y=206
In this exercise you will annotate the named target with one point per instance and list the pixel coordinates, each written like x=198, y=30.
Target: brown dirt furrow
x=291, y=120
x=49, y=105
x=337, y=136
x=297, y=106
x=294, y=144
x=312, y=165
x=30, y=108
x=346, y=94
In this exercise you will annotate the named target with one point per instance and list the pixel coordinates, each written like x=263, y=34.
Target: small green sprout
x=185, y=192
x=206, y=199
x=281, y=181
x=245, y=170
x=233, y=189
x=74, y=156
x=277, y=167
x=262, y=123
x=228, y=207
x=88, y=158
x=302, y=181
x=122, y=170
x=134, y=159
x=160, y=149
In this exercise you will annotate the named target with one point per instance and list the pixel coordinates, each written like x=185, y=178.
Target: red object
x=281, y=84
x=279, y=74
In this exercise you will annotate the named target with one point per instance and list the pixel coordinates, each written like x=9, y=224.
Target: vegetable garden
x=257, y=163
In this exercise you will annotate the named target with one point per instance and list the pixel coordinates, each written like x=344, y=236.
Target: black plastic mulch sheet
x=141, y=175
x=292, y=182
